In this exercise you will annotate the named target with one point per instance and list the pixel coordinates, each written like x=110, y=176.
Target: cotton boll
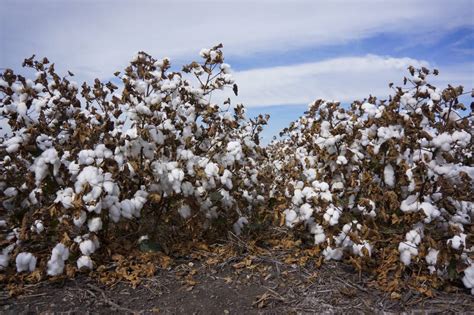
x=432, y=256
x=407, y=251
x=95, y=224
x=306, y=211
x=37, y=227
x=389, y=175
x=184, y=211
x=4, y=259
x=413, y=237
x=290, y=217
x=430, y=211
x=319, y=235
x=331, y=216
x=330, y=253
x=457, y=241
x=359, y=249
x=468, y=278
x=79, y=221
x=410, y=204
x=87, y=247
x=84, y=261
x=239, y=225
x=59, y=254
x=25, y=262
x=341, y=160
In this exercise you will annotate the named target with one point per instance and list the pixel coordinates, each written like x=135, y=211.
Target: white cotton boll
x=79, y=221
x=297, y=197
x=407, y=250
x=204, y=52
x=389, y=175
x=332, y=253
x=87, y=247
x=59, y=254
x=337, y=186
x=37, y=227
x=25, y=262
x=410, y=204
x=331, y=216
x=211, y=170
x=319, y=235
x=310, y=174
x=306, y=211
x=341, y=160
x=432, y=256
x=468, y=278
x=239, y=225
x=358, y=249
x=290, y=217
x=457, y=241
x=10, y=192
x=413, y=237
x=430, y=211
x=95, y=224
x=84, y=261
x=4, y=259
x=184, y=211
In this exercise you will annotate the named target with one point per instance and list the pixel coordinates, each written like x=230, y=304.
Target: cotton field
x=384, y=184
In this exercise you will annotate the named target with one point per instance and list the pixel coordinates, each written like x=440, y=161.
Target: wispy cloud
x=95, y=38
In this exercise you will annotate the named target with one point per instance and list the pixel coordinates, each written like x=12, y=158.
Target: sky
x=284, y=54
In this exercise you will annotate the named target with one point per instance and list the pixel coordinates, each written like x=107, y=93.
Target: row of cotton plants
x=80, y=160
x=386, y=184
x=385, y=178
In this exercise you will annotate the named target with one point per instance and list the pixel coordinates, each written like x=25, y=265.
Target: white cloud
x=341, y=79
x=95, y=38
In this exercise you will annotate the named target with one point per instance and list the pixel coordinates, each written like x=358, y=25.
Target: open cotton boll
x=80, y=220
x=59, y=254
x=290, y=217
x=359, y=249
x=239, y=225
x=432, y=256
x=457, y=241
x=87, y=247
x=389, y=175
x=95, y=224
x=430, y=211
x=410, y=204
x=330, y=253
x=341, y=160
x=331, y=215
x=37, y=227
x=211, y=170
x=468, y=278
x=184, y=211
x=25, y=262
x=306, y=211
x=407, y=250
x=84, y=261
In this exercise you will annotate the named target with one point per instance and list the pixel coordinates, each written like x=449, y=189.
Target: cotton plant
x=83, y=160
x=401, y=167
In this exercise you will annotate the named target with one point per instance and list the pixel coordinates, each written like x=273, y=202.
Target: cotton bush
x=386, y=180
x=79, y=161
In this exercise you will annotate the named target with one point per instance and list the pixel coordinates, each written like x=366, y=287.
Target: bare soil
x=193, y=287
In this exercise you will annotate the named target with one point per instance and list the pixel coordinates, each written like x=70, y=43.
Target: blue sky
x=284, y=53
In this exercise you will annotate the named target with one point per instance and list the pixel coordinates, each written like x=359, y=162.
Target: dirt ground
x=192, y=287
